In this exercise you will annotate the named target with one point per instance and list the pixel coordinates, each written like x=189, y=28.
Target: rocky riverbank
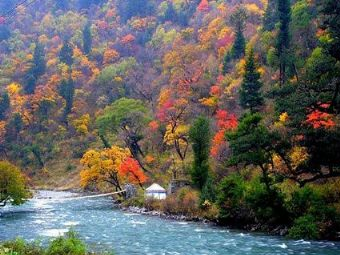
x=145, y=211
x=272, y=230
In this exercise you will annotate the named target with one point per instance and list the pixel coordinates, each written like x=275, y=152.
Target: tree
x=283, y=37
x=270, y=16
x=250, y=95
x=200, y=137
x=4, y=105
x=12, y=185
x=113, y=166
x=330, y=18
x=252, y=144
x=39, y=63
x=66, y=53
x=66, y=90
x=128, y=117
x=238, y=21
x=87, y=39
x=38, y=68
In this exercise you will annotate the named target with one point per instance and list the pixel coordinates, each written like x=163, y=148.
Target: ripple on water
x=54, y=232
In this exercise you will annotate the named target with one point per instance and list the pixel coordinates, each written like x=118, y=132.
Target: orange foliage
x=153, y=125
x=318, y=119
x=128, y=39
x=132, y=171
x=110, y=56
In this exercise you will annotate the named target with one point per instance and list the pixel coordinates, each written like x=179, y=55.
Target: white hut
x=156, y=191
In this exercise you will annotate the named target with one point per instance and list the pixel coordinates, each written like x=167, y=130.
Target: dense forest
x=239, y=100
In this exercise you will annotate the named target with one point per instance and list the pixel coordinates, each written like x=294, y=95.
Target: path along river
x=105, y=228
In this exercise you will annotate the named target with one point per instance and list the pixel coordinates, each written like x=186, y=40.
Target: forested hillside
x=239, y=98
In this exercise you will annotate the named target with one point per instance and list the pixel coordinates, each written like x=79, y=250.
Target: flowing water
x=105, y=228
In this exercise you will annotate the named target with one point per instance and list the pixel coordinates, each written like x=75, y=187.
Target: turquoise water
x=106, y=228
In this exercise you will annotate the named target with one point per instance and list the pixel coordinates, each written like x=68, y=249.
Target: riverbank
x=251, y=228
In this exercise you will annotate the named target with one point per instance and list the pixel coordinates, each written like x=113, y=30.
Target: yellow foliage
x=240, y=67
x=210, y=101
x=82, y=124
x=298, y=155
x=13, y=88
x=102, y=166
x=172, y=135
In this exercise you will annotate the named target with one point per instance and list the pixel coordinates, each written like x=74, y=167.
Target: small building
x=156, y=191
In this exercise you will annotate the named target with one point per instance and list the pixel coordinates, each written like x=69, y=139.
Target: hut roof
x=155, y=188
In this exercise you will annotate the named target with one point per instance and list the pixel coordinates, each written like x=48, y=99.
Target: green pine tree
x=283, y=38
x=87, y=39
x=4, y=105
x=66, y=90
x=37, y=69
x=250, y=95
x=200, y=137
x=66, y=53
x=270, y=16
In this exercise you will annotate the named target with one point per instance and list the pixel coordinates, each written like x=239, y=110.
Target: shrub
x=230, y=199
x=304, y=227
x=266, y=203
x=70, y=244
x=20, y=247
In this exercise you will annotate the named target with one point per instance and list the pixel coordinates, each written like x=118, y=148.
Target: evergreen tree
x=66, y=90
x=330, y=11
x=4, y=105
x=200, y=137
x=37, y=69
x=238, y=21
x=283, y=38
x=270, y=17
x=31, y=82
x=66, y=53
x=87, y=39
x=39, y=64
x=250, y=95
x=239, y=46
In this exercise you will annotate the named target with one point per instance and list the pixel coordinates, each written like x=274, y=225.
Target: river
x=105, y=228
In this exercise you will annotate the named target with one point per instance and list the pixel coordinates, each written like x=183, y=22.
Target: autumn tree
x=127, y=117
x=200, y=137
x=250, y=95
x=12, y=185
x=66, y=53
x=113, y=166
x=87, y=39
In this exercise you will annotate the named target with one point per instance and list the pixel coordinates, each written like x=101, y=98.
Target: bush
x=266, y=203
x=230, y=199
x=304, y=227
x=20, y=247
x=70, y=244
x=185, y=201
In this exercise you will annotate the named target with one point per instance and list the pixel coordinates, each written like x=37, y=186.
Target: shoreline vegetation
x=70, y=244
